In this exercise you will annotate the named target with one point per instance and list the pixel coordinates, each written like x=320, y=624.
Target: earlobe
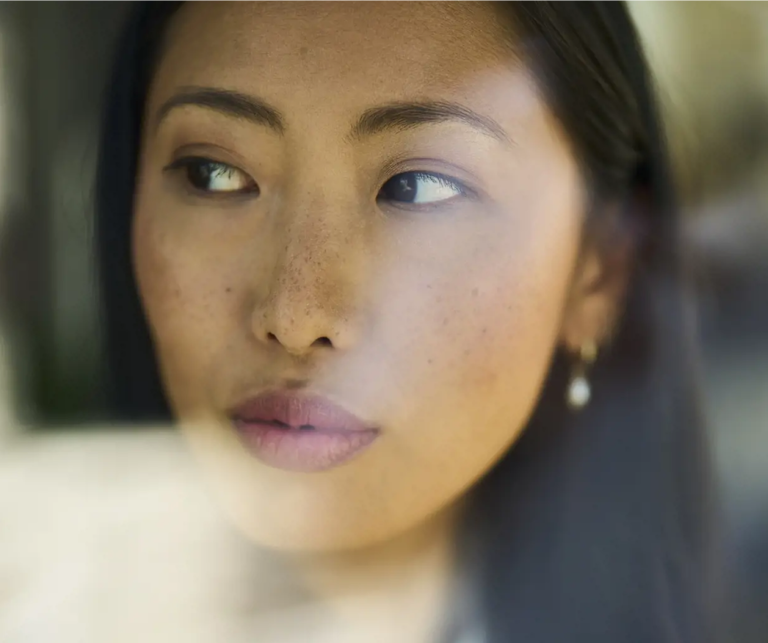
x=597, y=293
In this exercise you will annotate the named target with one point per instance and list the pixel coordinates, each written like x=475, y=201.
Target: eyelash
x=190, y=162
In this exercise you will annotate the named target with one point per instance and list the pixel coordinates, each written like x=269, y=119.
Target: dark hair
x=594, y=527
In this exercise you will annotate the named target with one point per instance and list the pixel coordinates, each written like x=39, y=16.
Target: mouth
x=300, y=433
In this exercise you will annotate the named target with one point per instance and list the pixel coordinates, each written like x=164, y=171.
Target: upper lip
x=292, y=410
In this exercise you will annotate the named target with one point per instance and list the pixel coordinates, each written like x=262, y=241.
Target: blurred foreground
x=108, y=536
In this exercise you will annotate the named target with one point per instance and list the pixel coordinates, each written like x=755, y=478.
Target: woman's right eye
x=214, y=177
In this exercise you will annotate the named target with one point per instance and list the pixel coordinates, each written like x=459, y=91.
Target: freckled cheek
x=478, y=343
x=513, y=305
x=188, y=302
x=499, y=337
x=471, y=372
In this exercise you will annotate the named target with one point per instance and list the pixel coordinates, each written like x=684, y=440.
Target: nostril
x=319, y=342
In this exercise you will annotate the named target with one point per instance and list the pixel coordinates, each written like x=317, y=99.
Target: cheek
x=488, y=329
x=188, y=301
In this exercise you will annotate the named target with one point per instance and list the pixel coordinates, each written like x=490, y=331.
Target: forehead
x=334, y=51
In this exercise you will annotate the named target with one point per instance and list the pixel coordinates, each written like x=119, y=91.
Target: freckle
x=485, y=330
x=466, y=352
x=474, y=292
x=445, y=321
x=229, y=290
x=429, y=361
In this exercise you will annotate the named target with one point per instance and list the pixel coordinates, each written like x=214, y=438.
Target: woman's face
x=390, y=221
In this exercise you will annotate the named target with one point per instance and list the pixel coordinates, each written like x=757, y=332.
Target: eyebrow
x=227, y=102
x=392, y=116
x=406, y=115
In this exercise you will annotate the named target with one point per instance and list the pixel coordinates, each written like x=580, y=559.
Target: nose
x=302, y=324
x=312, y=302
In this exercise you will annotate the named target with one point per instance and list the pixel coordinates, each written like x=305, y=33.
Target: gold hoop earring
x=579, y=389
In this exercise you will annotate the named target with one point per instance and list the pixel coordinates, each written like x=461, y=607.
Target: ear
x=599, y=284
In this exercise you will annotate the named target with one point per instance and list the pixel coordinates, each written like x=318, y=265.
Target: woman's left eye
x=420, y=188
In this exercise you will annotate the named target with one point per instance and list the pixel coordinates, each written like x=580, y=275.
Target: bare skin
x=434, y=320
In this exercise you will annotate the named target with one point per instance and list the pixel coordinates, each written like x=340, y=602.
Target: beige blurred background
x=711, y=60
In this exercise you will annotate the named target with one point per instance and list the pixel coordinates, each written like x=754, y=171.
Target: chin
x=300, y=513
x=297, y=536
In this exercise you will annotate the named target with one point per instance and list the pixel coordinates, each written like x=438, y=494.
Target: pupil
x=402, y=188
x=200, y=175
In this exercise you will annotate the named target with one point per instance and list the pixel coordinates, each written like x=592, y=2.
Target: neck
x=397, y=590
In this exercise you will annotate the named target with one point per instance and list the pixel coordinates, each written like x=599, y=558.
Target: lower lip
x=303, y=450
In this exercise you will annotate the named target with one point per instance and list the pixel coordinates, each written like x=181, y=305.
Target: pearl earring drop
x=579, y=389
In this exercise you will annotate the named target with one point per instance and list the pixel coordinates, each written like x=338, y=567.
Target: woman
x=408, y=277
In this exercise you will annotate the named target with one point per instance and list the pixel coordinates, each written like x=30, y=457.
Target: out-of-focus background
x=711, y=61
